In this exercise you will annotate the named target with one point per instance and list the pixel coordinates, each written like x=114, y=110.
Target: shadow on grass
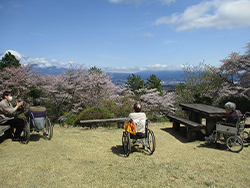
x=118, y=150
x=217, y=146
x=2, y=138
x=182, y=134
x=34, y=137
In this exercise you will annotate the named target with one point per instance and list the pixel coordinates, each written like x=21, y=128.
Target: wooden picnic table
x=197, y=111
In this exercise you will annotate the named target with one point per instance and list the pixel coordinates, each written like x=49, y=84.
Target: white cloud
x=220, y=14
x=167, y=1
x=36, y=34
x=43, y=63
x=138, y=2
x=158, y=66
x=15, y=4
x=134, y=69
x=146, y=35
x=115, y=1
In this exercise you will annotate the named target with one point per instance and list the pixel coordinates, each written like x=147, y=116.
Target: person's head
x=7, y=95
x=229, y=107
x=137, y=107
x=37, y=102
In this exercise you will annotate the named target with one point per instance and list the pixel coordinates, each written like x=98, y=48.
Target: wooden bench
x=6, y=130
x=120, y=121
x=192, y=127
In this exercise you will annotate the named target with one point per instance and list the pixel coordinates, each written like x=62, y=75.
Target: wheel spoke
x=234, y=143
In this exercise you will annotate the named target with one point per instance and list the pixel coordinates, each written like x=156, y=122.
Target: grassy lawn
x=79, y=157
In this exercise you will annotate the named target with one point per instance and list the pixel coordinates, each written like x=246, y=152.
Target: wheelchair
x=233, y=135
x=31, y=126
x=147, y=140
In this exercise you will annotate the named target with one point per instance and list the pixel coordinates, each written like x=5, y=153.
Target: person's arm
x=8, y=109
x=18, y=105
x=129, y=117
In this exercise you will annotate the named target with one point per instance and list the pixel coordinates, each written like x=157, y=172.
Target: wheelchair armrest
x=227, y=124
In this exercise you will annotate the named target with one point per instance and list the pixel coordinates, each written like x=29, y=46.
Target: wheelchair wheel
x=126, y=143
x=245, y=136
x=48, y=129
x=150, y=142
x=234, y=143
x=26, y=132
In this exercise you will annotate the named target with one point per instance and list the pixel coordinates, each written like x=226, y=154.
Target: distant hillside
x=50, y=70
x=168, y=77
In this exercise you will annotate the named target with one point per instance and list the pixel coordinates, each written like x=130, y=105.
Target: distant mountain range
x=168, y=77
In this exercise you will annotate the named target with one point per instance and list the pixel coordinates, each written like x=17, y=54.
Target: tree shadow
x=181, y=135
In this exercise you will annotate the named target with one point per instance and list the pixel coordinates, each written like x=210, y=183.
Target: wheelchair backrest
x=140, y=125
x=38, y=119
x=241, y=123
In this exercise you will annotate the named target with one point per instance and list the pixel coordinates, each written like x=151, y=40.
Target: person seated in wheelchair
x=139, y=118
x=37, y=115
x=232, y=116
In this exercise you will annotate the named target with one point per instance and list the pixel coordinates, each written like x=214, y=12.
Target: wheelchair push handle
x=247, y=114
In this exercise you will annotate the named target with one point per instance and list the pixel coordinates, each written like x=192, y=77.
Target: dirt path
x=77, y=157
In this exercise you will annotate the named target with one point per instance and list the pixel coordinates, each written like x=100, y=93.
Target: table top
x=204, y=109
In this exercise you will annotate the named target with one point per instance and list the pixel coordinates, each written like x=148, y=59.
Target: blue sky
x=126, y=35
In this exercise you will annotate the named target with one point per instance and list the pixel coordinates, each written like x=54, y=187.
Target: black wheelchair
x=32, y=126
x=147, y=140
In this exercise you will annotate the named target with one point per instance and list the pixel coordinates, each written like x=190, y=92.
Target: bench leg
x=191, y=134
x=176, y=126
x=120, y=125
x=8, y=133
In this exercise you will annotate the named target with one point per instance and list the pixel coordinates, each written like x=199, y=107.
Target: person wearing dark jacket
x=232, y=117
x=232, y=114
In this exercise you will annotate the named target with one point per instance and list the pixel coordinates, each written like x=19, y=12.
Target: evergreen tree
x=154, y=83
x=94, y=70
x=9, y=60
x=134, y=83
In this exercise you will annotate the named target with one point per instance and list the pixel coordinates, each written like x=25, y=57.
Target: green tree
x=134, y=83
x=154, y=83
x=94, y=70
x=201, y=84
x=9, y=60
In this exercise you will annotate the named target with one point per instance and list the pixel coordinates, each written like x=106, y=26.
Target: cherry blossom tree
x=77, y=89
x=235, y=70
x=17, y=80
x=157, y=104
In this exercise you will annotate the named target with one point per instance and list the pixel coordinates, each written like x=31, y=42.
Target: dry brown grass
x=78, y=157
